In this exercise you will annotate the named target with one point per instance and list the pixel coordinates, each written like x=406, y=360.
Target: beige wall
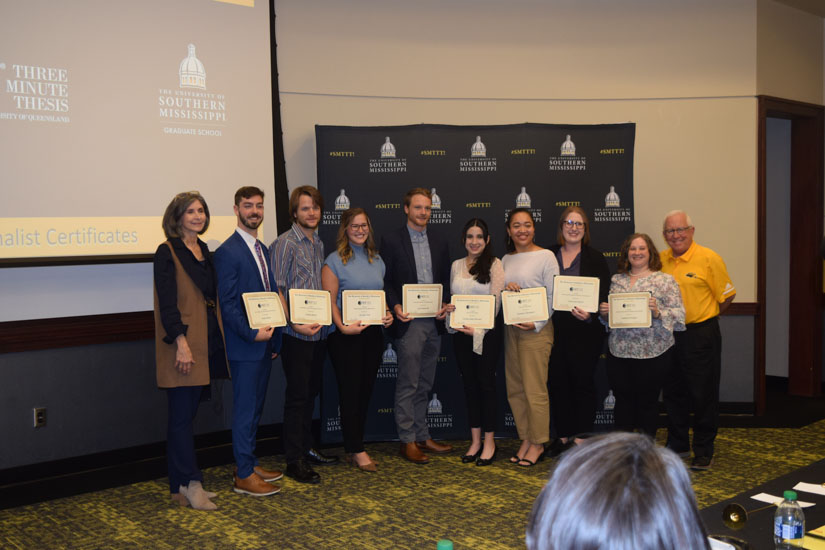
x=789, y=53
x=684, y=72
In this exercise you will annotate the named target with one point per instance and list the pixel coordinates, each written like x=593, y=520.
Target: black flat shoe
x=486, y=461
x=466, y=459
x=319, y=459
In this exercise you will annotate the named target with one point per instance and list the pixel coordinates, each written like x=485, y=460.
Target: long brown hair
x=342, y=241
x=654, y=262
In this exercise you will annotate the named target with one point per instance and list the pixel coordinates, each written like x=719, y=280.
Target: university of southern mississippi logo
x=204, y=113
x=389, y=357
x=435, y=199
x=388, y=161
x=191, y=71
x=567, y=159
x=436, y=417
x=611, y=200
x=612, y=211
x=435, y=406
x=568, y=148
x=523, y=199
x=478, y=149
x=342, y=201
x=478, y=161
x=388, y=149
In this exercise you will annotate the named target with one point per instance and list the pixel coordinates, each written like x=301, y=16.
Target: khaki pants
x=526, y=354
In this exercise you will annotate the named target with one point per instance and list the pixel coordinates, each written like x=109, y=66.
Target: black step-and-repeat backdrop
x=472, y=171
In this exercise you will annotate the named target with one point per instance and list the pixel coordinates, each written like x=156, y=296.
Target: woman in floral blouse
x=639, y=357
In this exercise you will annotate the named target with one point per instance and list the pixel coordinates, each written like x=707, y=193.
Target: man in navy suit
x=241, y=266
x=414, y=255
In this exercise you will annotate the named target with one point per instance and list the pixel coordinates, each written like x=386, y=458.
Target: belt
x=700, y=324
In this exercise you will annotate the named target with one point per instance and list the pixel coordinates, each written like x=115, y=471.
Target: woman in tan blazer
x=189, y=346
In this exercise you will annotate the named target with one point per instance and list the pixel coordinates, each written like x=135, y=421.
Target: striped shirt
x=296, y=263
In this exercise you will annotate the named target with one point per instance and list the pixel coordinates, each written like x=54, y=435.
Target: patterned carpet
x=403, y=506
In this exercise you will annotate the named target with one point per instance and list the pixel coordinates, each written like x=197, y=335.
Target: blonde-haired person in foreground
x=617, y=492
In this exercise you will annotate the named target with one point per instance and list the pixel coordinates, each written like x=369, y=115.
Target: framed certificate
x=525, y=306
x=421, y=300
x=570, y=292
x=307, y=307
x=264, y=309
x=367, y=306
x=473, y=310
x=629, y=310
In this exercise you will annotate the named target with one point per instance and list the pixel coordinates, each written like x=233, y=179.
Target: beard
x=250, y=223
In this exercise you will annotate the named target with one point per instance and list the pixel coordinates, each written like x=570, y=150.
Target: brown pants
x=526, y=354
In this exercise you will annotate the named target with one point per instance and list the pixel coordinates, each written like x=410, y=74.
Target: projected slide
x=108, y=109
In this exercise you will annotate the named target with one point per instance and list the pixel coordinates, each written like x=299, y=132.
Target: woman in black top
x=579, y=337
x=188, y=341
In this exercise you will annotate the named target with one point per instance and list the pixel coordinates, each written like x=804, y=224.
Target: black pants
x=479, y=375
x=571, y=384
x=693, y=386
x=636, y=383
x=356, y=359
x=303, y=363
x=180, y=436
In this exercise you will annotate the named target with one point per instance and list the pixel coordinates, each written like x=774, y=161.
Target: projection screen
x=110, y=108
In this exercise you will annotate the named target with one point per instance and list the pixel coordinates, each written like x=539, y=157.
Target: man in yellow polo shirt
x=693, y=383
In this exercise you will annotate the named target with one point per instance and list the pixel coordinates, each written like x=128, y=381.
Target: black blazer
x=592, y=264
x=397, y=252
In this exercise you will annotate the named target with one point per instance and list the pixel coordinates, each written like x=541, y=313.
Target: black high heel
x=486, y=461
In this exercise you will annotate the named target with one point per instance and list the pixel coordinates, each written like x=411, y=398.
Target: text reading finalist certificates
x=570, y=292
x=307, y=307
x=421, y=300
x=367, y=306
x=629, y=310
x=525, y=306
x=473, y=310
x=264, y=309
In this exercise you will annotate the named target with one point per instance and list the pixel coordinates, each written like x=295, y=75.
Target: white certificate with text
x=367, y=306
x=421, y=300
x=570, y=292
x=629, y=310
x=528, y=305
x=473, y=310
x=264, y=309
x=307, y=307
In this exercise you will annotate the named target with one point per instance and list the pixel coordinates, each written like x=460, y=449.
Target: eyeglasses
x=571, y=224
x=359, y=227
x=677, y=230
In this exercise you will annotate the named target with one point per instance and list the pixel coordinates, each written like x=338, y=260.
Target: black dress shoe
x=557, y=447
x=486, y=461
x=300, y=471
x=315, y=457
x=466, y=459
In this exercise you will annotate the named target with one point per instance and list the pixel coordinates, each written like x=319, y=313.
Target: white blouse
x=461, y=282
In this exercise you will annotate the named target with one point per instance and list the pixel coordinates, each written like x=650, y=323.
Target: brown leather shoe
x=411, y=452
x=268, y=475
x=433, y=447
x=254, y=485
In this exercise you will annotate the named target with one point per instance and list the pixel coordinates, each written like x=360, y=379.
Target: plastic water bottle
x=788, y=523
x=445, y=544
